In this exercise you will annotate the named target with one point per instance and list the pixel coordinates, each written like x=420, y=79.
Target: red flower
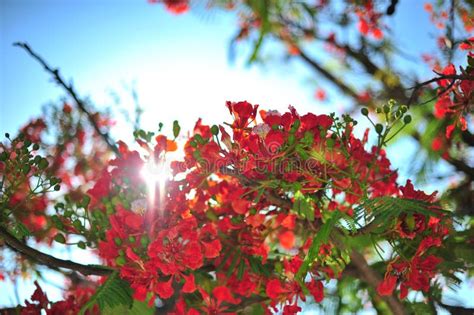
x=287, y=239
x=316, y=289
x=409, y=192
x=426, y=243
x=273, y=141
x=437, y=144
x=189, y=285
x=102, y=186
x=173, y=253
x=449, y=131
x=213, y=303
x=211, y=244
x=387, y=286
x=468, y=44
x=243, y=112
x=274, y=289
x=320, y=95
x=311, y=121
x=448, y=70
x=39, y=296
x=174, y=6
x=291, y=309
x=164, y=289
x=240, y=206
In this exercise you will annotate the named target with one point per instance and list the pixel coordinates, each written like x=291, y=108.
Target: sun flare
x=156, y=174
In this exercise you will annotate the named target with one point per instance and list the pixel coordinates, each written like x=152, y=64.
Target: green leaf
x=466, y=253
x=176, y=128
x=319, y=239
x=261, y=7
x=43, y=163
x=241, y=270
x=138, y=308
x=383, y=211
x=421, y=308
x=114, y=292
x=233, y=262
x=20, y=231
x=302, y=206
x=60, y=238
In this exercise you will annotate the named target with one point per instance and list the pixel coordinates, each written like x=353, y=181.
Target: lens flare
x=156, y=174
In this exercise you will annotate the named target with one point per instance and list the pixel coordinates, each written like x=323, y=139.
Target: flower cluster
x=417, y=272
x=456, y=97
x=236, y=221
x=71, y=305
x=369, y=20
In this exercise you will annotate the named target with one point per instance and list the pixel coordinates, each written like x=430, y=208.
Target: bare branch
x=452, y=77
x=72, y=93
x=373, y=279
x=329, y=76
x=48, y=260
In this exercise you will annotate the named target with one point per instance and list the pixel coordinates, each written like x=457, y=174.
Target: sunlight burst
x=156, y=175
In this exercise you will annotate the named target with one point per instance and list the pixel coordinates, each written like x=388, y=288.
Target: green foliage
x=302, y=206
x=421, y=308
x=176, y=129
x=138, y=308
x=381, y=212
x=115, y=292
x=321, y=237
x=20, y=231
x=261, y=7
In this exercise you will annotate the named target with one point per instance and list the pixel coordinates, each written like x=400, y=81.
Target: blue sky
x=175, y=62
x=178, y=65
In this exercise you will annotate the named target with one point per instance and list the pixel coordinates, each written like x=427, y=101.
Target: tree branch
x=468, y=138
x=329, y=76
x=440, y=77
x=373, y=279
x=72, y=93
x=48, y=260
x=461, y=166
x=458, y=310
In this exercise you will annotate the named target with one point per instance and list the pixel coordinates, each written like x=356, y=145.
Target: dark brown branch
x=329, y=76
x=461, y=166
x=359, y=55
x=392, y=7
x=443, y=77
x=468, y=138
x=457, y=310
x=48, y=260
x=72, y=93
x=373, y=279
x=452, y=77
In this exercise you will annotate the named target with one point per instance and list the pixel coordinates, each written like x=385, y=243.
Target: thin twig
x=452, y=77
x=72, y=93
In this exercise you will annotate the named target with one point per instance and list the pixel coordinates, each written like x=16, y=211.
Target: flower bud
x=407, y=119
x=60, y=238
x=378, y=128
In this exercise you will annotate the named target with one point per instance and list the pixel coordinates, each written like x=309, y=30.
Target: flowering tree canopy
x=266, y=212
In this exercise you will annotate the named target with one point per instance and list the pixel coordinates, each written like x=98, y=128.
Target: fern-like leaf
x=382, y=211
x=113, y=292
